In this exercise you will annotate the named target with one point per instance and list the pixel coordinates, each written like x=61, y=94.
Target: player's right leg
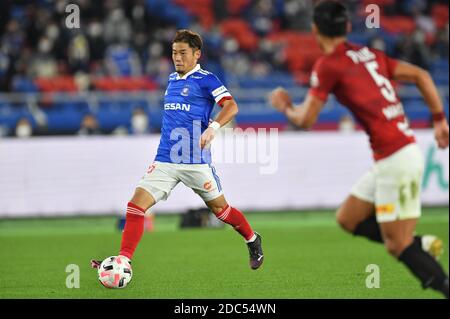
x=357, y=216
x=141, y=201
x=154, y=186
x=134, y=224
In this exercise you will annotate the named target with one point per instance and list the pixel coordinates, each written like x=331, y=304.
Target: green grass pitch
x=306, y=256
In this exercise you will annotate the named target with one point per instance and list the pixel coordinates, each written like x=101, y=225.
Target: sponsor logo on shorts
x=385, y=209
x=151, y=168
x=207, y=186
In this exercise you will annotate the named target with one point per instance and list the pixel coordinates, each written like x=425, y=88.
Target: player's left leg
x=203, y=180
x=357, y=216
x=231, y=216
x=237, y=220
x=399, y=242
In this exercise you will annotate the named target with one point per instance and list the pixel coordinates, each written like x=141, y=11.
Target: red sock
x=235, y=218
x=133, y=230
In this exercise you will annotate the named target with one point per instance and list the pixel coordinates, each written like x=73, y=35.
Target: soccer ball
x=115, y=272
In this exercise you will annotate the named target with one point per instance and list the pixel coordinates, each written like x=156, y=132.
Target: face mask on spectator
x=52, y=32
x=95, y=29
x=139, y=123
x=346, y=125
x=23, y=130
x=45, y=46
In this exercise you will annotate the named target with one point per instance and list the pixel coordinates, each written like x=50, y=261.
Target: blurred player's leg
x=134, y=224
x=399, y=241
x=357, y=216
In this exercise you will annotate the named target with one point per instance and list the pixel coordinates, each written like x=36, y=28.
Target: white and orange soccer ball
x=115, y=272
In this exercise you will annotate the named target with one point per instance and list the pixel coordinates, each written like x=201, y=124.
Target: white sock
x=124, y=257
x=251, y=240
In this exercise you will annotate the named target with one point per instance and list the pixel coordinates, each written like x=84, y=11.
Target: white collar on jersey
x=184, y=77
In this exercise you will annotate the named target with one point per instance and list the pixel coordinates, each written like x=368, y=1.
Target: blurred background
x=109, y=75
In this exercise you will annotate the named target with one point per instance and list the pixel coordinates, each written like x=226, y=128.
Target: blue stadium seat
x=64, y=121
x=9, y=115
x=359, y=38
x=112, y=114
x=24, y=84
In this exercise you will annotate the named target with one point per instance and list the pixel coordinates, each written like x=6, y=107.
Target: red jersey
x=360, y=78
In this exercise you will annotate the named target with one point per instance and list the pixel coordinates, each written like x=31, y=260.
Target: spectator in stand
x=414, y=49
x=42, y=63
x=140, y=122
x=297, y=15
x=346, y=124
x=96, y=43
x=78, y=52
x=23, y=129
x=122, y=60
x=89, y=126
x=117, y=27
x=262, y=17
x=128, y=38
x=441, y=46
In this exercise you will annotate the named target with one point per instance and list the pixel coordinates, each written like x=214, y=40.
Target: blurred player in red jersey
x=384, y=205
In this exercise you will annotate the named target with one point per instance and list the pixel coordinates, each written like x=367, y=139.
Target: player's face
x=184, y=57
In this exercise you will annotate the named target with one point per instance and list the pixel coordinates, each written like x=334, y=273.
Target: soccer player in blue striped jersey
x=184, y=151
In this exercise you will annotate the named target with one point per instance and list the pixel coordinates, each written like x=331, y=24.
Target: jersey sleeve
x=323, y=79
x=218, y=92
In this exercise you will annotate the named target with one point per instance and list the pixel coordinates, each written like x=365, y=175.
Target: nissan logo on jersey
x=177, y=106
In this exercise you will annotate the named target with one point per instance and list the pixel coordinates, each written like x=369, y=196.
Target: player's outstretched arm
x=303, y=116
x=406, y=72
x=228, y=112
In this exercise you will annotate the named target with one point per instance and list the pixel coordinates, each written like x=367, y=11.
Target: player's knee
x=343, y=221
x=217, y=209
x=142, y=199
x=217, y=205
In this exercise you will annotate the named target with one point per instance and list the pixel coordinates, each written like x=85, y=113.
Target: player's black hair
x=331, y=18
x=187, y=36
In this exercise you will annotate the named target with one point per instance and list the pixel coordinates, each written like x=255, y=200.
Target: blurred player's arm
x=304, y=115
x=228, y=112
x=406, y=72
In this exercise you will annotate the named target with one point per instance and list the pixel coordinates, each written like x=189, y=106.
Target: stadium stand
x=120, y=57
